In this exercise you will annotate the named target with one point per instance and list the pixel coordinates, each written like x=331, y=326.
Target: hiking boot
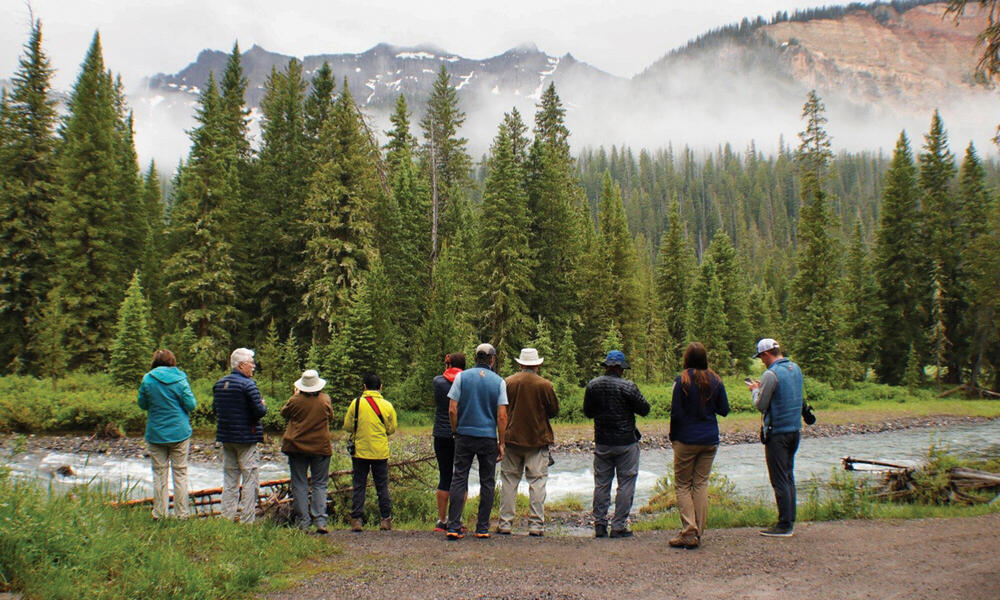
x=483, y=534
x=536, y=532
x=454, y=536
x=684, y=542
x=503, y=530
x=621, y=533
x=440, y=527
x=386, y=524
x=322, y=530
x=600, y=531
x=356, y=525
x=777, y=532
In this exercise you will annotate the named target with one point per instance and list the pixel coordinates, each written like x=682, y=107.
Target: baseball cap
x=766, y=344
x=615, y=358
x=487, y=349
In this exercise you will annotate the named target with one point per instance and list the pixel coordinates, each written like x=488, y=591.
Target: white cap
x=487, y=349
x=766, y=344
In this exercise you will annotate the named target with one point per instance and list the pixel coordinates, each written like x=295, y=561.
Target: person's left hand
x=500, y=454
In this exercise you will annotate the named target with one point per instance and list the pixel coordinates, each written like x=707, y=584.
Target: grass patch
x=77, y=546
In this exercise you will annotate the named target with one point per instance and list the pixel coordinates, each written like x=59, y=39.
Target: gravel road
x=929, y=558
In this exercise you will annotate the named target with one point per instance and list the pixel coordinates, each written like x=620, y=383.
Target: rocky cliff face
x=879, y=69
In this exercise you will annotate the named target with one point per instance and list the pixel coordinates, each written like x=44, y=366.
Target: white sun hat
x=310, y=381
x=529, y=358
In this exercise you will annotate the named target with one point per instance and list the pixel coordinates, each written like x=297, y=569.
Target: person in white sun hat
x=307, y=444
x=531, y=403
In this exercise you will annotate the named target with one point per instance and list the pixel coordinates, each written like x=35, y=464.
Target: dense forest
x=320, y=247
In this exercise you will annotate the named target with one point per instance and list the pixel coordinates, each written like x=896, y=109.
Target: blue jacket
x=691, y=421
x=785, y=411
x=238, y=408
x=166, y=394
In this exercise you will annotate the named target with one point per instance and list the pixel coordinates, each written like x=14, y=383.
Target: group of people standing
x=478, y=416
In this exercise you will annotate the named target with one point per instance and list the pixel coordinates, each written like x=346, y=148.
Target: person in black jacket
x=239, y=408
x=444, y=438
x=613, y=402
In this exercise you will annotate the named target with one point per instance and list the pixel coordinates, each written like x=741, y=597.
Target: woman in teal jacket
x=166, y=394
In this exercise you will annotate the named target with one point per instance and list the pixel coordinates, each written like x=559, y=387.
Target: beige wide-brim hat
x=310, y=381
x=529, y=358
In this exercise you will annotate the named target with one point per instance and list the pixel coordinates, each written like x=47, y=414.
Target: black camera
x=807, y=414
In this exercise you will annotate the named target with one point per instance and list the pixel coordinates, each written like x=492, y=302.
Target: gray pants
x=609, y=461
x=240, y=461
x=309, y=496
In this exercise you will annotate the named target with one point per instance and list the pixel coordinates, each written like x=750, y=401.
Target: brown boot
x=682, y=541
x=356, y=525
x=386, y=524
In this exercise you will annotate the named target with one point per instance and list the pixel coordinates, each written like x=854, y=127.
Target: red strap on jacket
x=375, y=408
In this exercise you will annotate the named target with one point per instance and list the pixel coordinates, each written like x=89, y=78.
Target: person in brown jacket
x=531, y=403
x=307, y=444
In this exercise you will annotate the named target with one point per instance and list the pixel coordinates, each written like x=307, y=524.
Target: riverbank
x=916, y=559
x=574, y=438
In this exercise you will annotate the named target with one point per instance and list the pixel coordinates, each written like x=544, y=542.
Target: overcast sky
x=144, y=37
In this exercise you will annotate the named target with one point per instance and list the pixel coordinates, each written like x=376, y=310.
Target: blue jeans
x=486, y=450
x=309, y=495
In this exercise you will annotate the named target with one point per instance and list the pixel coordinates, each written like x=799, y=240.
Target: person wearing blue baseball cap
x=613, y=402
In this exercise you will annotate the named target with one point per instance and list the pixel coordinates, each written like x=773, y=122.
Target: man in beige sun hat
x=531, y=403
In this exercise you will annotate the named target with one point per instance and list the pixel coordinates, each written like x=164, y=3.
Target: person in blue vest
x=478, y=415
x=778, y=395
x=238, y=408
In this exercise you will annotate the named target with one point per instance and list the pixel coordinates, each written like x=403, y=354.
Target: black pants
x=485, y=449
x=380, y=473
x=780, y=455
x=444, y=450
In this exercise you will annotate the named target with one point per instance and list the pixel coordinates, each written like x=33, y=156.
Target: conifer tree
x=860, y=317
x=51, y=340
x=977, y=208
x=202, y=284
x=984, y=258
x=406, y=255
x=284, y=168
x=269, y=356
x=290, y=364
x=506, y=260
x=674, y=271
x=814, y=303
x=567, y=372
x=153, y=250
x=27, y=192
x=897, y=246
x=133, y=222
x=86, y=219
x=591, y=285
x=943, y=230
x=550, y=187
x=318, y=108
x=621, y=302
x=233, y=88
x=735, y=302
x=340, y=244
x=445, y=160
x=133, y=345
x=914, y=370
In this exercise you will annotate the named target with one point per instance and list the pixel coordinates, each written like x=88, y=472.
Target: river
x=572, y=473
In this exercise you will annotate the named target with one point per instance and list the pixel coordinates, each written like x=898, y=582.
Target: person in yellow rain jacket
x=370, y=420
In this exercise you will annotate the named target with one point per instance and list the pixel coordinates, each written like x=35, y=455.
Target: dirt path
x=933, y=558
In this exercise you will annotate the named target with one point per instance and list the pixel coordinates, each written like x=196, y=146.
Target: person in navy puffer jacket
x=239, y=408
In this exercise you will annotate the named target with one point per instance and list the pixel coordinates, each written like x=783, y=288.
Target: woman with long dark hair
x=698, y=397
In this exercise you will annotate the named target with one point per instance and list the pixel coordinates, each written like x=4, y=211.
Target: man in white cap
x=531, y=403
x=778, y=395
x=478, y=415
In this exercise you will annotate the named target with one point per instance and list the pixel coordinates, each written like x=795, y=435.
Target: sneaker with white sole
x=777, y=532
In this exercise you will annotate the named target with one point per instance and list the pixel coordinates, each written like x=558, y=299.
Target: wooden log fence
x=277, y=492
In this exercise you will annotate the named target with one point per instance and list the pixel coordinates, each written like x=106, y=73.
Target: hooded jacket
x=442, y=384
x=372, y=440
x=166, y=394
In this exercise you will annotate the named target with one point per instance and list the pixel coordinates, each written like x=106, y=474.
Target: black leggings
x=444, y=449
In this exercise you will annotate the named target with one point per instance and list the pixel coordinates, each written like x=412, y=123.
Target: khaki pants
x=240, y=461
x=533, y=463
x=175, y=457
x=692, y=466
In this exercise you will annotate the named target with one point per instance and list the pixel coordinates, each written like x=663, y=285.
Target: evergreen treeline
x=321, y=248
